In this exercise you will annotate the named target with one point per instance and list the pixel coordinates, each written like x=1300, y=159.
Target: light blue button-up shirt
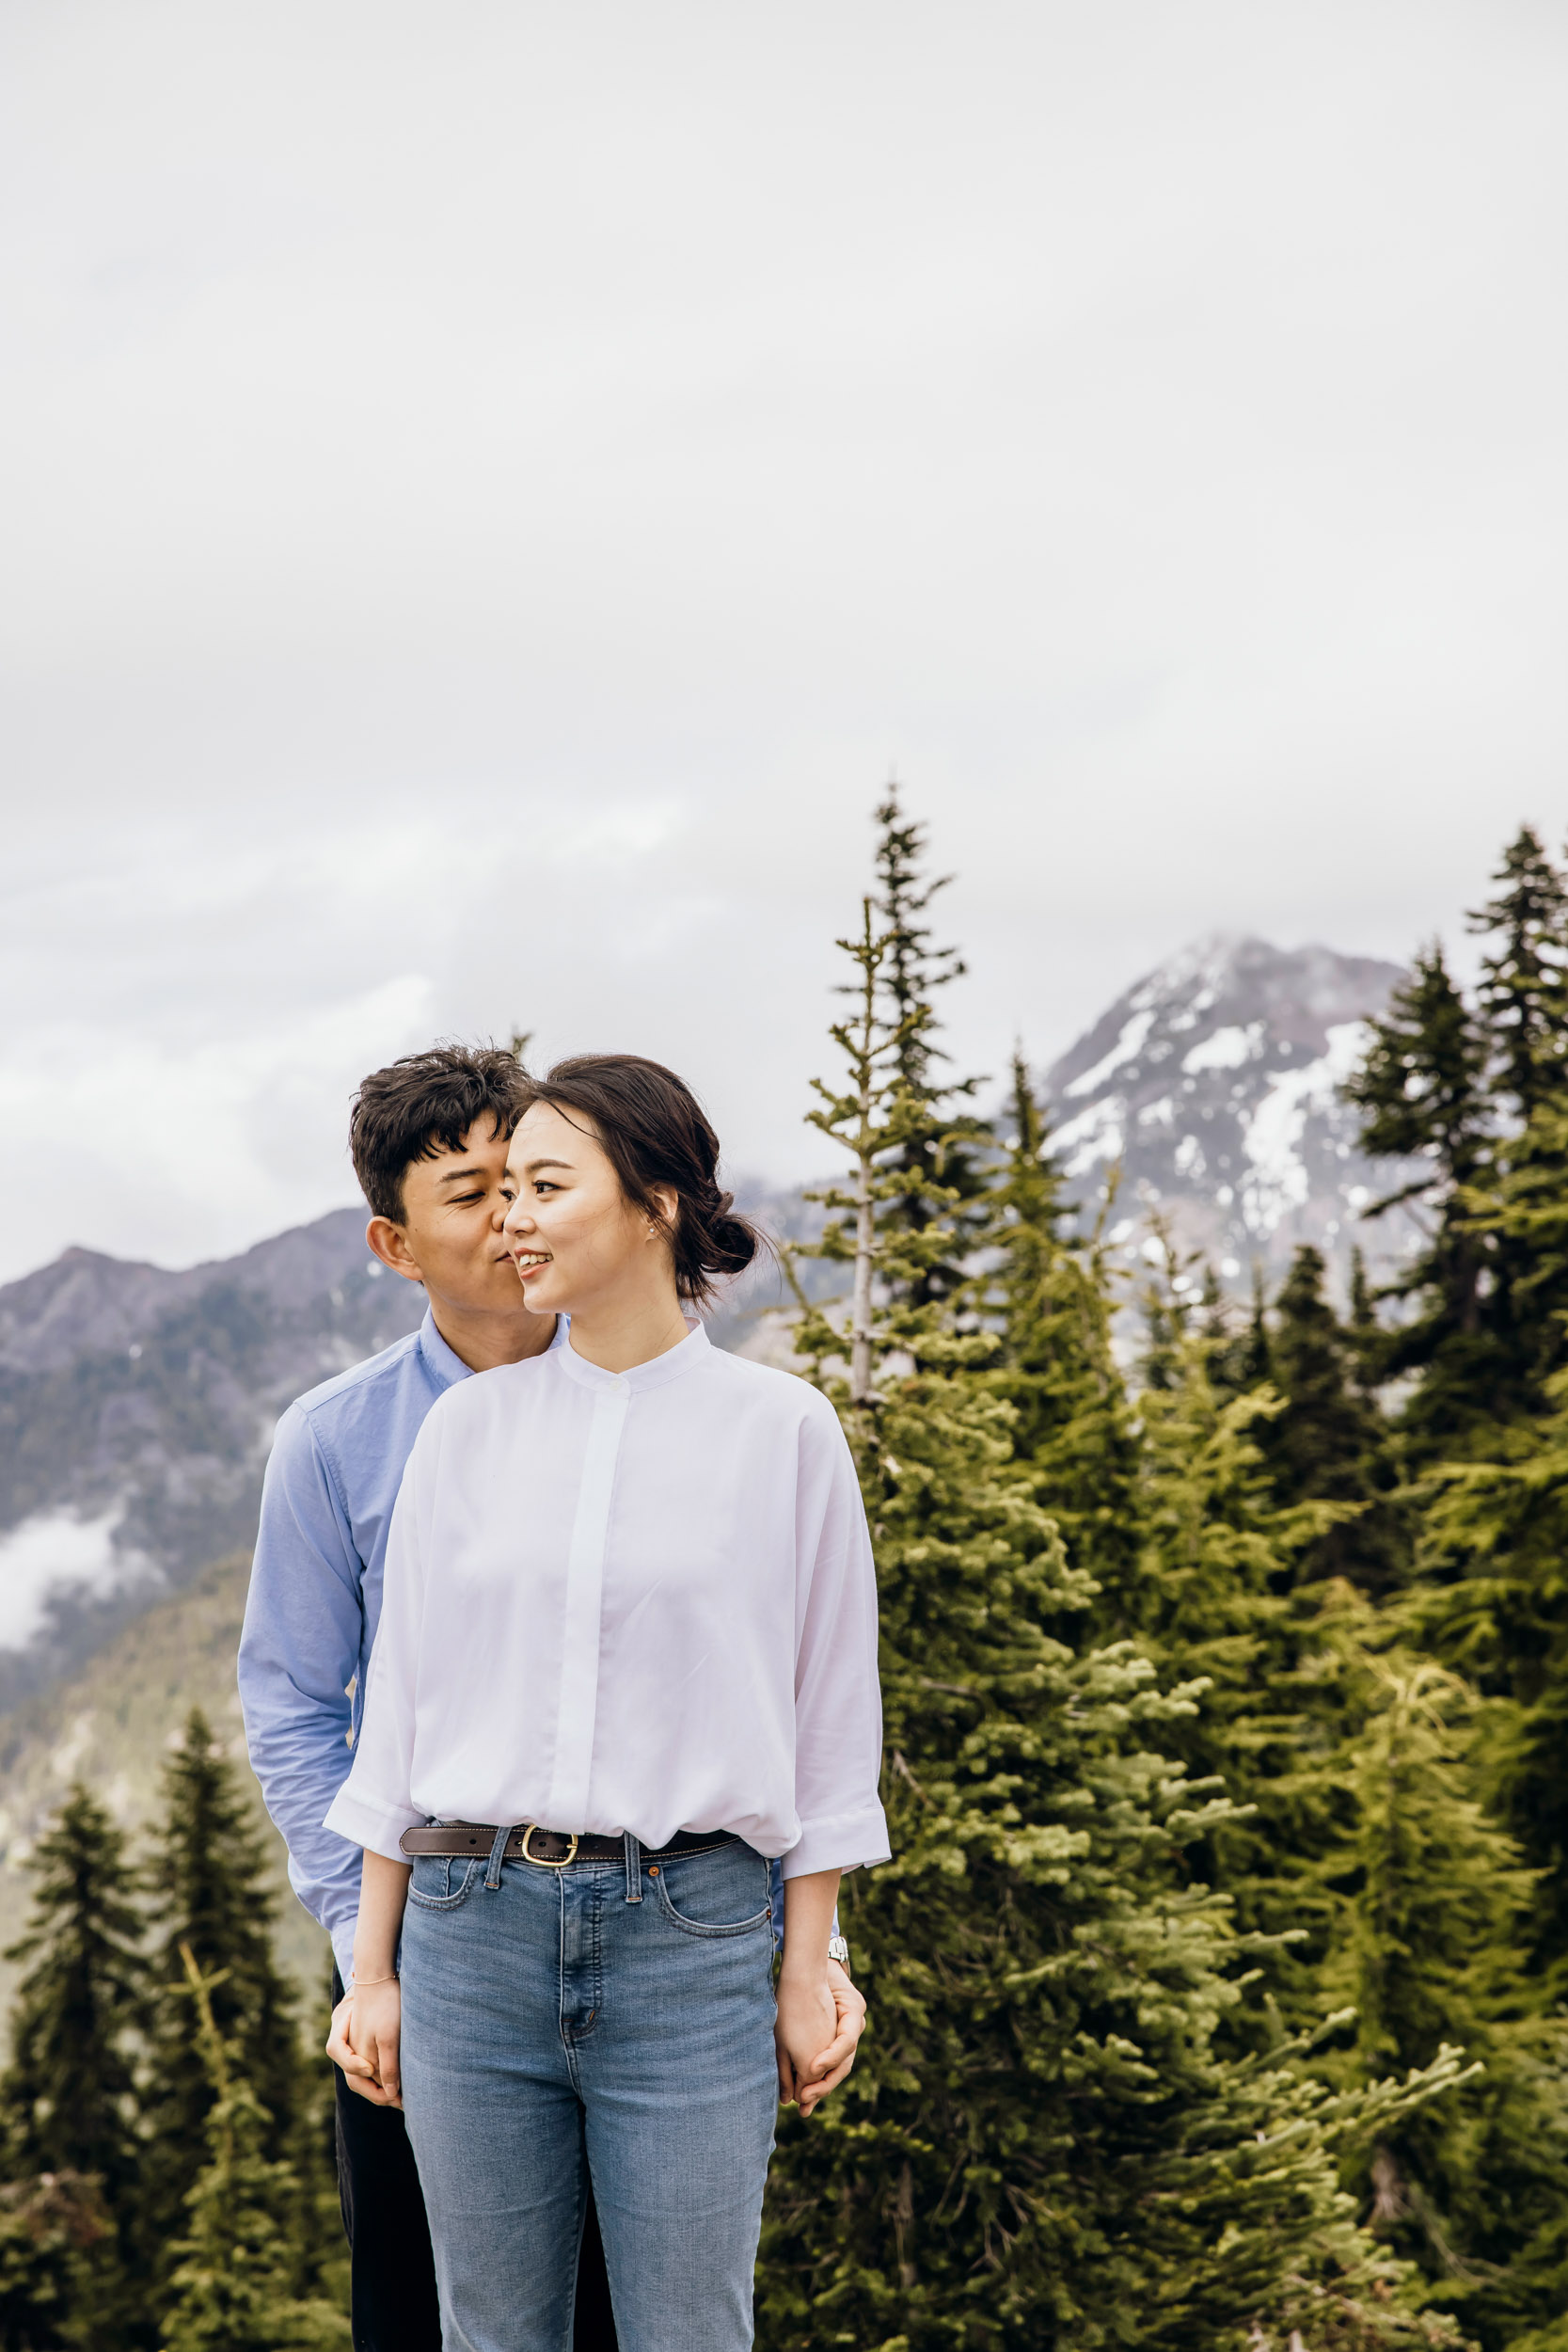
x=315, y=1601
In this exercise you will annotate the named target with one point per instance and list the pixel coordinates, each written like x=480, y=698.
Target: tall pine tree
x=1423, y=1097
x=237, y=2279
x=944, y=1146
x=69, y=2094
x=1330, y=1444
x=208, y=1882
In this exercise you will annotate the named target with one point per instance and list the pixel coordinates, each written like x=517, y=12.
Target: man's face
x=449, y=1237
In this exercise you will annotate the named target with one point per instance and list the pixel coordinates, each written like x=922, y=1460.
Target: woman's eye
x=543, y=1183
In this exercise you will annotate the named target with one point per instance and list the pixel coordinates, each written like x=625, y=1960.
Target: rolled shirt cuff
x=366, y=1821
x=848, y=1841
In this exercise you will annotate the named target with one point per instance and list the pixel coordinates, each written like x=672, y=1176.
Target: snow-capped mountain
x=1213, y=1084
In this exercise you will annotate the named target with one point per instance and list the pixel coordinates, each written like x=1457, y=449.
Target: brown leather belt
x=549, y=1848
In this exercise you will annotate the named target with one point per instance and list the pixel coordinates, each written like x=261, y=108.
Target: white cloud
x=54, y=1552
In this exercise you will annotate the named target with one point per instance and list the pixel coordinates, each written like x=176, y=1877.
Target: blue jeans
x=618, y=2013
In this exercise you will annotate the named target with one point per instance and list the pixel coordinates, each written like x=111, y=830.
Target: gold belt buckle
x=538, y=1860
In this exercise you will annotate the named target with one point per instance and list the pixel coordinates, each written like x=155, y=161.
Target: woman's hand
x=367, y=2024
x=814, y=2053
x=367, y=2027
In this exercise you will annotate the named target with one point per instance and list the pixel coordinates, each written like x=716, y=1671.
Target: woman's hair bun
x=657, y=1136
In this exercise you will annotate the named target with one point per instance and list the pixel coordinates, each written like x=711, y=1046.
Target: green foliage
x=942, y=1147
x=1435, y=1905
x=207, y=1880
x=1422, y=1091
x=1329, y=1443
x=235, y=2285
x=53, y=2232
x=71, y=2132
x=1045, y=2142
x=68, y=2090
x=133, y=2142
x=1073, y=1434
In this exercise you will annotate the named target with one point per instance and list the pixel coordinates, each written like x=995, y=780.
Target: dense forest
x=1217, y=1983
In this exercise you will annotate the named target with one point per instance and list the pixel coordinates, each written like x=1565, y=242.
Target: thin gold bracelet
x=355, y=1982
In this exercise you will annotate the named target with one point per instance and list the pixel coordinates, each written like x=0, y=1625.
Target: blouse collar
x=670, y=1366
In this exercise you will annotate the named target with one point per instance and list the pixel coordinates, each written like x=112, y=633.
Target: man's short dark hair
x=426, y=1103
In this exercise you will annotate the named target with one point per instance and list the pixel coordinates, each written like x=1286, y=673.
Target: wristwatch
x=838, y=1948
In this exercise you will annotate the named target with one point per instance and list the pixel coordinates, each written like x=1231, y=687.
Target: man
x=429, y=1140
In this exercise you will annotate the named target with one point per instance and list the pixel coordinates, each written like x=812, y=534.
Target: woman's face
x=574, y=1237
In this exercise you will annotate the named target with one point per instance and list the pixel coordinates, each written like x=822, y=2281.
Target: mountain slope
x=137, y=1408
x=111, y=1723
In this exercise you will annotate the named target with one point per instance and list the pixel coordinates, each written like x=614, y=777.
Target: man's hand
x=363, y=2041
x=820, y=2021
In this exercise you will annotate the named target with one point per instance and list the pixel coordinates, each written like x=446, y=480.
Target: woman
x=628, y=1650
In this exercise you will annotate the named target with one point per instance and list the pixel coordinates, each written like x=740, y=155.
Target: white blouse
x=637, y=1600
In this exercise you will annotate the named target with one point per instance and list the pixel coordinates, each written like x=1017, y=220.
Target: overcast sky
x=488, y=493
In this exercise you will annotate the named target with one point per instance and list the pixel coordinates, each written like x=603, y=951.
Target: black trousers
x=393, y=2271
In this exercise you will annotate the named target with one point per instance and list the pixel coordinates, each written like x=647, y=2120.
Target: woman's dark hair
x=656, y=1132
x=425, y=1103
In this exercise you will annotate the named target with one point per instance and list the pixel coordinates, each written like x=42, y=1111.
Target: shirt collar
x=449, y=1366
x=670, y=1366
x=444, y=1362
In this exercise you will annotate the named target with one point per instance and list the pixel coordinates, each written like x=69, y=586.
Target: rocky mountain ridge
x=1212, y=1088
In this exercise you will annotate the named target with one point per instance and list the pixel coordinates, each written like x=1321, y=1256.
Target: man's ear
x=390, y=1243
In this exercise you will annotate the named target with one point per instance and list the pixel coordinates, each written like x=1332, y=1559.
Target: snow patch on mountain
x=1091, y=1139
x=1226, y=1049
x=1127, y=1047
x=1271, y=1134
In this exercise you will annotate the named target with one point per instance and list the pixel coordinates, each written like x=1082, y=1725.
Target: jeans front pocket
x=699, y=1893
x=441, y=1881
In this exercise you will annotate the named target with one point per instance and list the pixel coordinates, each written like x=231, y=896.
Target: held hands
x=821, y=2018
x=366, y=2026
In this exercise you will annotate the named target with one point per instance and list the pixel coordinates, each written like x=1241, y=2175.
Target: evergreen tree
x=69, y=2093
x=1330, y=1444
x=1429, y=1950
x=1493, y=1543
x=1423, y=1094
x=1041, y=2144
x=72, y=2141
x=208, y=1883
x=943, y=1148
x=1524, y=984
x=1219, y=1599
x=236, y=2280
x=1072, y=1427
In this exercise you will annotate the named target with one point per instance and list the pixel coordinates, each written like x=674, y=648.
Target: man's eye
x=467, y=1199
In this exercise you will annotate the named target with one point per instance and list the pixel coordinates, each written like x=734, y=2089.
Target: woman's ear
x=667, y=1200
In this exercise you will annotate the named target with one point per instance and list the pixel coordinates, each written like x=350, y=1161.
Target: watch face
x=838, y=1950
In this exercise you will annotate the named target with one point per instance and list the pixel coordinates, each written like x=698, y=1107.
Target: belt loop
x=634, y=1869
x=498, y=1855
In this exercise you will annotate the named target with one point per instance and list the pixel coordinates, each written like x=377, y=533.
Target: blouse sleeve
x=372, y=1807
x=838, y=1704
